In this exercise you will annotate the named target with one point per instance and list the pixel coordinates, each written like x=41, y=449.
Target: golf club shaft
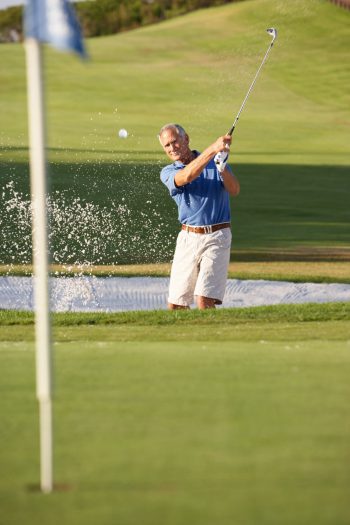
x=249, y=90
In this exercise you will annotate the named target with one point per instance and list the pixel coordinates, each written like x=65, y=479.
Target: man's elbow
x=183, y=178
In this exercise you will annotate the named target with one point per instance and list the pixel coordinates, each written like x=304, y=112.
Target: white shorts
x=200, y=266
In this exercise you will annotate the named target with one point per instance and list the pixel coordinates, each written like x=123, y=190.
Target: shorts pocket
x=225, y=237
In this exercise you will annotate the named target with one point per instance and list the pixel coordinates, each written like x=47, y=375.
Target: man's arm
x=230, y=182
x=196, y=166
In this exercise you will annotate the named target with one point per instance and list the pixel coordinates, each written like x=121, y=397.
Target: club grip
x=220, y=160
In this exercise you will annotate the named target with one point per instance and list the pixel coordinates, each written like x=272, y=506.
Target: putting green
x=200, y=432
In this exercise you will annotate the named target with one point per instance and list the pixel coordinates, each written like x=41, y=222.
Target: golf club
x=221, y=157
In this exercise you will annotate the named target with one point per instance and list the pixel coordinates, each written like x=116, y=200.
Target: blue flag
x=54, y=22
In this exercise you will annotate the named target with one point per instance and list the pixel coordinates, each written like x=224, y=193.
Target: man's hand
x=220, y=160
x=221, y=157
x=222, y=143
x=192, y=170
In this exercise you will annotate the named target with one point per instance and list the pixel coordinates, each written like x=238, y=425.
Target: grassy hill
x=290, y=149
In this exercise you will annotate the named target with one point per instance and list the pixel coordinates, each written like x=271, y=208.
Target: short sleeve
x=167, y=176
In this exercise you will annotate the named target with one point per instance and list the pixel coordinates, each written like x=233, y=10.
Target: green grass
x=290, y=152
x=326, y=267
x=330, y=321
x=178, y=432
x=229, y=417
x=278, y=313
x=299, y=109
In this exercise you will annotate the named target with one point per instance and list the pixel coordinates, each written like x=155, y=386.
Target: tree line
x=106, y=17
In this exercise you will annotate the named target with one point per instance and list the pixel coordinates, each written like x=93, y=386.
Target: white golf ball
x=123, y=133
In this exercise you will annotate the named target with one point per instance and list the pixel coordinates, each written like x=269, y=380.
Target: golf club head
x=273, y=32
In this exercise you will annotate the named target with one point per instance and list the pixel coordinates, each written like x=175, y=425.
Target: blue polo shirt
x=202, y=202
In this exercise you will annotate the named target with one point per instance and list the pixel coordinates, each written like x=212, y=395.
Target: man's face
x=175, y=145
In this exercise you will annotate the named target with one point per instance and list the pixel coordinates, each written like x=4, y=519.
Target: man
x=201, y=193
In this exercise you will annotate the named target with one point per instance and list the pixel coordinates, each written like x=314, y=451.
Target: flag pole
x=38, y=181
x=53, y=22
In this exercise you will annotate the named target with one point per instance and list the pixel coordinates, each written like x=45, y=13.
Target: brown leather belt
x=205, y=229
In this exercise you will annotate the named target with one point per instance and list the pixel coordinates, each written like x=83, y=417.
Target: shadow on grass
x=117, y=213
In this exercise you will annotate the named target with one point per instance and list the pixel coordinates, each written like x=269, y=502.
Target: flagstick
x=36, y=112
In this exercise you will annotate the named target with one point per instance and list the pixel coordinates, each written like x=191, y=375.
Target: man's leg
x=177, y=307
x=184, y=271
x=211, y=282
x=205, y=302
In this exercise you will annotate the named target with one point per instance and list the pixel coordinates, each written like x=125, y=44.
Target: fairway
x=172, y=433
x=290, y=150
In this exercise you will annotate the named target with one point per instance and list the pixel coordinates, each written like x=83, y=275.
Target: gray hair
x=180, y=130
